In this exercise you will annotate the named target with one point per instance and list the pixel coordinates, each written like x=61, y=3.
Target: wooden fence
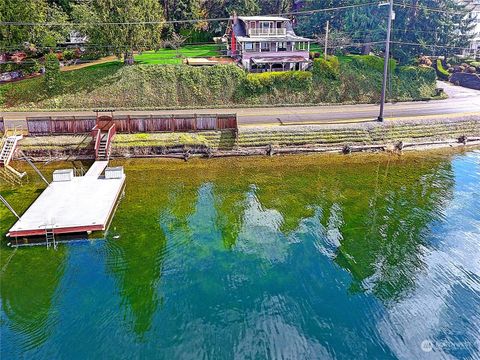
x=133, y=124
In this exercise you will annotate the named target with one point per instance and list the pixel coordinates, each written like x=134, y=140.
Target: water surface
x=367, y=257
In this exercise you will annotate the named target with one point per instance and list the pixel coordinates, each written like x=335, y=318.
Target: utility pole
x=326, y=38
x=386, y=58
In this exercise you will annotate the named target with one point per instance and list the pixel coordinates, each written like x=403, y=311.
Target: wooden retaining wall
x=132, y=123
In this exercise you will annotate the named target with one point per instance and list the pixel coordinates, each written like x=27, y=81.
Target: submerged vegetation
x=348, y=79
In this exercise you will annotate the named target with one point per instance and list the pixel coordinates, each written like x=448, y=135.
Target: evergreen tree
x=52, y=72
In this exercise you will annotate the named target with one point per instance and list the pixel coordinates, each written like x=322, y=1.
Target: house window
x=248, y=47
x=282, y=46
x=264, y=46
x=266, y=24
x=300, y=46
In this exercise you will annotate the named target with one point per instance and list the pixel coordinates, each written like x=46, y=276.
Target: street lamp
x=391, y=16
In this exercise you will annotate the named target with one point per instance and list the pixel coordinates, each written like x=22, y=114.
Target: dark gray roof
x=239, y=29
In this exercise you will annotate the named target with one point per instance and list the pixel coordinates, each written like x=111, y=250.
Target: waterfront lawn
x=171, y=56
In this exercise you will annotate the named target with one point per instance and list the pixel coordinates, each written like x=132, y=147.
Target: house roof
x=263, y=18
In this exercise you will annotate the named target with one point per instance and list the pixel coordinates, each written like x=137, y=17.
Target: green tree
x=121, y=26
x=14, y=37
x=52, y=72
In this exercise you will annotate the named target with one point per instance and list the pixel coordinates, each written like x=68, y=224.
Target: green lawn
x=169, y=56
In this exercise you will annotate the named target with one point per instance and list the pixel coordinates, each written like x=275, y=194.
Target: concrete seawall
x=425, y=132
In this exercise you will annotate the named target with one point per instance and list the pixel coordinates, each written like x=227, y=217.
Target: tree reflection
x=28, y=286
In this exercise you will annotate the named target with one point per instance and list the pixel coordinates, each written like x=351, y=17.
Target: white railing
x=267, y=32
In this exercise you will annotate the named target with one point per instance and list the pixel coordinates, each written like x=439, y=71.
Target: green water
x=312, y=257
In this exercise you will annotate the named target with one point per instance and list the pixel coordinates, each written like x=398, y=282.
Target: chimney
x=235, y=17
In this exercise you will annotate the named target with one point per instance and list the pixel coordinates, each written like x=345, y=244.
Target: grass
x=158, y=80
x=170, y=56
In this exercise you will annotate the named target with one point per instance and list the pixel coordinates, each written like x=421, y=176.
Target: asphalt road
x=461, y=101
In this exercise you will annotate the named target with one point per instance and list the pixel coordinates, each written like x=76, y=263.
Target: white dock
x=84, y=203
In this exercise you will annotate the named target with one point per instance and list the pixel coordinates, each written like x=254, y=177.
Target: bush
x=412, y=82
x=31, y=67
x=68, y=54
x=326, y=69
x=442, y=72
x=372, y=62
x=270, y=82
x=475, y=64
x=52, y=72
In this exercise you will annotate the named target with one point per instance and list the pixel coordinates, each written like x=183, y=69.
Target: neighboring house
x=474, y=48
x=75, y=38
x=266, y=43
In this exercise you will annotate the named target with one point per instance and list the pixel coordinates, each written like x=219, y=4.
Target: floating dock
x=73, y=204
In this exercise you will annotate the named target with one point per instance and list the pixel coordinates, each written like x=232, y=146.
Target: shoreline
x=389, y=136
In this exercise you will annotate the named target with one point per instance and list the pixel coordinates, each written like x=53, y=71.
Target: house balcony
x=267, y=32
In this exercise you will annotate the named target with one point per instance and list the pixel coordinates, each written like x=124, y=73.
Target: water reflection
x=302, y=257
x=28, y=288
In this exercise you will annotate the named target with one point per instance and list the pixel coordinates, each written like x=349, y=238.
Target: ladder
x=9, y=177
x=7, y=150
x=50, y=237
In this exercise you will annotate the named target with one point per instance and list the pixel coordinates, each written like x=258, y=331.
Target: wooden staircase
x=103, y=134
x=9, y=177
x=8, y=146
x=103, y=149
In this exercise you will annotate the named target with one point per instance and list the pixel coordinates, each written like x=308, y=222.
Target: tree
x=14, y=37
x=121, y=26
x=175, y=42
x=52, y=72
x=417, y=28
x=337, y=40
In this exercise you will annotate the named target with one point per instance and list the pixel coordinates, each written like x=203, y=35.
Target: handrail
x=111, y=133
x=97, y=139
x=267, y=31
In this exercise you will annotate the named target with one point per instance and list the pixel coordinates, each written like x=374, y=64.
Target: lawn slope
x=114, y=85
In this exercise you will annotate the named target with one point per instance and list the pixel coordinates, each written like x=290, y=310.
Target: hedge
x=326, y=69
x=372, y=62
x=442, y=73
x=267, y=82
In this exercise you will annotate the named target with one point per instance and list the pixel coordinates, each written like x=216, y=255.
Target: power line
x=430, y=45
x=420, y=7
x=69, y=24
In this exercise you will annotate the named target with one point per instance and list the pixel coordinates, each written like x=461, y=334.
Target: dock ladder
x=50, y=237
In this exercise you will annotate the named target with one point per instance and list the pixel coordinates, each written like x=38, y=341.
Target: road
x=461, y=101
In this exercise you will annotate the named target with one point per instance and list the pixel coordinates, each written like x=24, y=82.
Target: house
x=474, y=7
x=266, y=43
x=74, y=39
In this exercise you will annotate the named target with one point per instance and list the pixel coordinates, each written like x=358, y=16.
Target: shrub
x=68, y=54
x=52, y=72
x=372, y=62
x=326, y=69
x=269, y=82
x=475, y=64
x=442, y=72
x=31, y=66
x=414, y=83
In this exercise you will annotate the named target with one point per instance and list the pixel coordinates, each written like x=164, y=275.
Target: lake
x=294, y=257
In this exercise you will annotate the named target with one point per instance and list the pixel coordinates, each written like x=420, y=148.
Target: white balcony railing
x=267, y=32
